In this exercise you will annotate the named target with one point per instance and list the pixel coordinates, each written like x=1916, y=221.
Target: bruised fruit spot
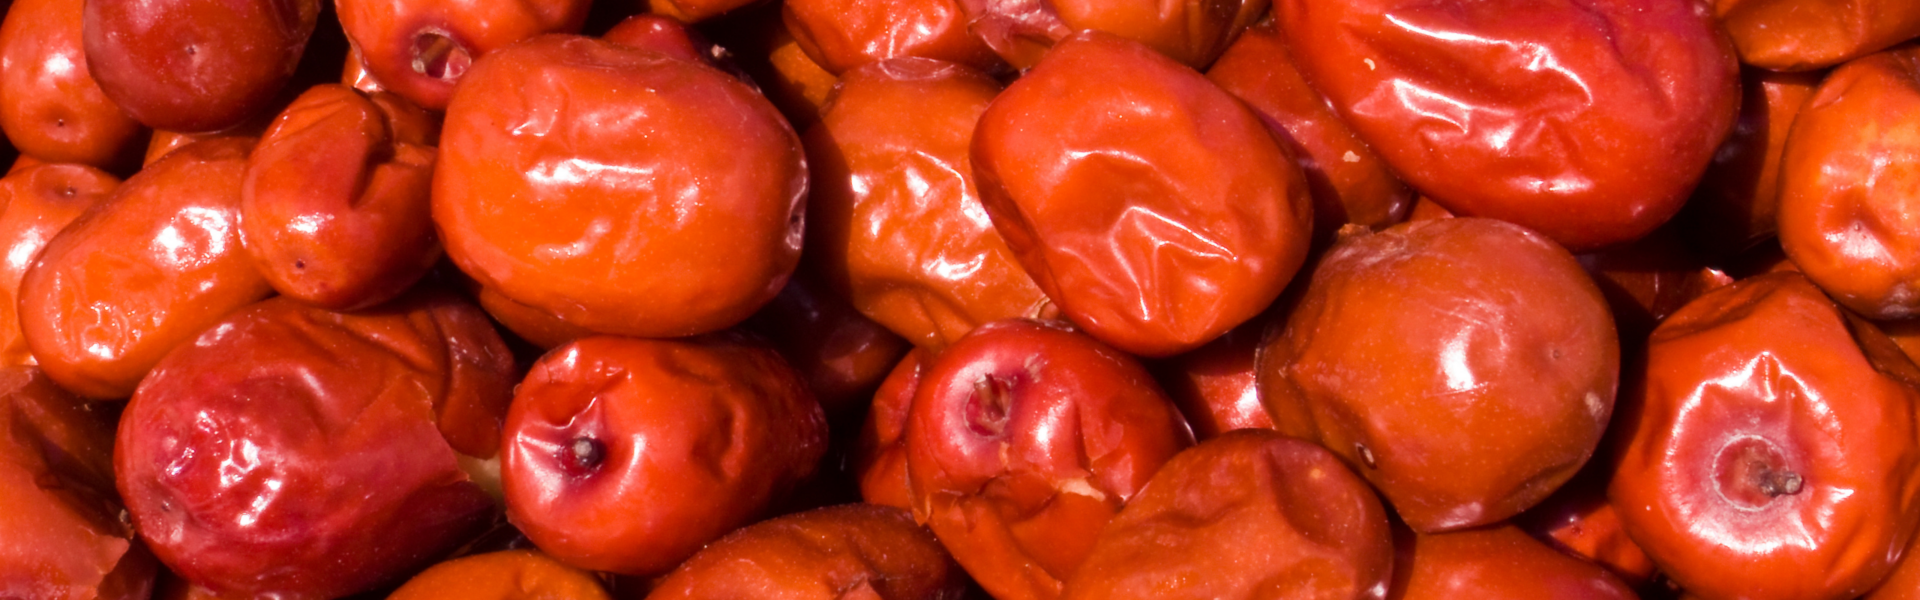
x=439, y=57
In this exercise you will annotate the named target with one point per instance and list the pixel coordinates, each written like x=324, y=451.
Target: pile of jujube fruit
x=944, y=299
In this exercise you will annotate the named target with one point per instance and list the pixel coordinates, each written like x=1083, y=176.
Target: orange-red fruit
x=1023, y=440
x=1154, y=208
x=335, y=205
x=1588, y=121
x=659, y=214
x=1771, y=449
x=629, y=455
x=142, y=271
x=1466, y=367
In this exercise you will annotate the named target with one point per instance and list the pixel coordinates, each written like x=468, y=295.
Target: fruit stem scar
x=1778, y=483
x=586, y=453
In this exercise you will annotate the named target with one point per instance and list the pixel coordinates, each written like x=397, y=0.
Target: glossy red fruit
x=1466, y=367
x=50, y=106
x=1528, y=111
x=142, y=272
x=895, y=221
x=1771, y=449
x=1155, y=209
x=1024, y=439
x=665, y=214
x=196, y=65
x=1250, y=514
x=335, y=206
x=38, y=202
x=335, y=458
x=1847, y=218
x=628, y=455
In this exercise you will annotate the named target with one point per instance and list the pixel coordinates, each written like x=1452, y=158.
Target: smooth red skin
x=840, y=35
x=1578, y=520
x=196, y=65
x=656, y=215
x=504, y=575
x=328, y=461
x=1083, y=429
x=1466, y=367
x=1155, y=209
x=1250, y=514
x=141, y=272
x=1737, y=203
x=700, y=436
x=1800, y=35
x=1530, y=112
x=694, y=11
x=1849, y=195
x=1349, y=182
x=1650, y=278
x=880, y=457
x=895, y=222
x=38, y=202
x=1190, y=31
x=50, y=106
x=335, y=208
x=60, y=534
x=1770, y=360
x=1216, y=386
x=846, y=551
x=663, y=35
x=841, y=354
x=392, y=38
x=1498, y=563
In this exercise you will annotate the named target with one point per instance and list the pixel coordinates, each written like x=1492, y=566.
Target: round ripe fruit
x=1023, y=440
x=50, y=106
x=621, y=190
x=1466, y=367
x=296, y=452
x=1154, y=208
x=1771, y=449
x=196, y=65
x=1849, y=211
x=628, y=455
x=142, y=271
